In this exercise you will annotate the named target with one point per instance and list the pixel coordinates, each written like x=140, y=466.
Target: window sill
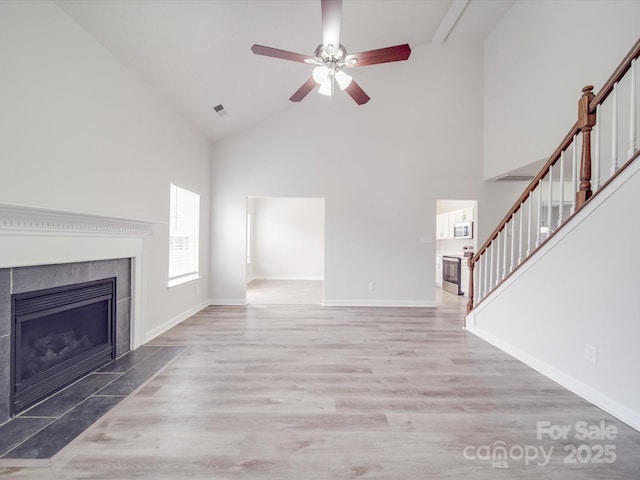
x=177, y=282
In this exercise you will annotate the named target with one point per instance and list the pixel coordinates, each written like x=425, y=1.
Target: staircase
x=574, y=174
x=557, y=283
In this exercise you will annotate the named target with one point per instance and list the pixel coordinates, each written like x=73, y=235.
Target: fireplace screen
x=59, y=335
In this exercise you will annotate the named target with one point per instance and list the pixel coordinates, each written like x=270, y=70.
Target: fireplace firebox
x=59, y=335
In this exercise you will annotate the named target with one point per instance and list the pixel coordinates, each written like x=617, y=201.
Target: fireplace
x=43, y=248
x=60, y=334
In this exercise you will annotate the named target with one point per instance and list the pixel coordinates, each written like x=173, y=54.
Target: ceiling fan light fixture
x=321, y=74
x=343, y=79
x=326, y=87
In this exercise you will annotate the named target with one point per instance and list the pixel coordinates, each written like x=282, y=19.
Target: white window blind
x=184, y=233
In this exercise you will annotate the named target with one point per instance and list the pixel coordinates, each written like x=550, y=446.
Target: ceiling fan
x=331, y=57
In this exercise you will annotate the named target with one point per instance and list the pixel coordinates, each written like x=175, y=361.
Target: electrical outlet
x=372, y=286
x=590, y=353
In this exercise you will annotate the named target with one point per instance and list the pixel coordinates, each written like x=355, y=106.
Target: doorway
x=456, y=240
x=285, y=251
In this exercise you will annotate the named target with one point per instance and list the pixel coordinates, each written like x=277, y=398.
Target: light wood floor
x=447, y=298
x=284, y=292
x=299, y=392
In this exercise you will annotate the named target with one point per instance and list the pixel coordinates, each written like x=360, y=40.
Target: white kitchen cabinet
x=439, y=270
x=463, y=215
x=452, y=223
x=442, y=226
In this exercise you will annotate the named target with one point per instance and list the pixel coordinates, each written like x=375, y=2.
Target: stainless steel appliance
x=451, y=273
x=463, y=229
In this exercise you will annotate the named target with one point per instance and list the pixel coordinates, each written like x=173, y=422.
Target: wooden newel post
x=470, y=302
x=586, y=121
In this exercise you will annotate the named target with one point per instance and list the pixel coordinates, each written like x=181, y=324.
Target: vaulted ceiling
x=196, y=54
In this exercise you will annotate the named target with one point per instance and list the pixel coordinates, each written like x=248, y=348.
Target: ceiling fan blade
x=381, y=55
x=355, y=91
x=277, y=53
x=304, y=90
x=331, y=18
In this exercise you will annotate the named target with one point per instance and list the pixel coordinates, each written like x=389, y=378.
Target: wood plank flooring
x=284, y=292
x=303, y=392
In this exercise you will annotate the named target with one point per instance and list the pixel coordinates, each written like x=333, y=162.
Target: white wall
x=289, y=238
x=579, y=292
x=444, y=205
x=79, y=133
x=380, y=167
x=536, y=62
x=250, y=237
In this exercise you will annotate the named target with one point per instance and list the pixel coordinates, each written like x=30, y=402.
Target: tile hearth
x=42, y=431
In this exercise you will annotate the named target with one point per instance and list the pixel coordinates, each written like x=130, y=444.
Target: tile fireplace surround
x=28, y=279
x=43, y=248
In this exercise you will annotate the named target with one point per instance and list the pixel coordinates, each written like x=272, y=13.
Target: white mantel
x=32, y=236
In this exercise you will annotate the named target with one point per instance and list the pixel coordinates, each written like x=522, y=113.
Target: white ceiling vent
x=220, y=110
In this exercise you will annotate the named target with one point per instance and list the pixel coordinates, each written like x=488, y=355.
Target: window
x=184, y=227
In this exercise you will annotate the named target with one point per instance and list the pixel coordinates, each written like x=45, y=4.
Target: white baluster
x=513, y=240
x=521, y=209
x=491, y=266
x=596, y=174
x=477, y=282
x=561, y=204
x=498, y=259
x=481, y=276
x=486, y=272
x=505, y=238
x=477, y=285
x=614, y=132
x=632, y=112
x=574, y=188
x=550, y=198
x=529, y=225
x=503, y=252
x=539, y=219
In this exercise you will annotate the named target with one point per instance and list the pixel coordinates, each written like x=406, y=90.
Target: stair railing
x=565, y=183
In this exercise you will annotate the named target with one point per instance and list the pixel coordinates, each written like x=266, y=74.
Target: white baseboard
x=160, y=329
x=600, y=400
x=380, y=303
x=286, y=277
x=237, y=302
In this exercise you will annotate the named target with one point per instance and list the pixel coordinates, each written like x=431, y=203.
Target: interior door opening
x=285, y=251
x=456, y=241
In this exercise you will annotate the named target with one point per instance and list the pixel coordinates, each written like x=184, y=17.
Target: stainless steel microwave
x=463, y=229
